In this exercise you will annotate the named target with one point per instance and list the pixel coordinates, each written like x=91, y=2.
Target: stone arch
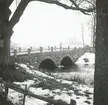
x=67, y=62
x=47, y=64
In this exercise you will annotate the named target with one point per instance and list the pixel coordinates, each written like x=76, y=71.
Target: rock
x=87, y=95
x=73, y=102
x=87, y=92
x=87, y=102
x=77, y=92
x=77, y=97
x=89, y=98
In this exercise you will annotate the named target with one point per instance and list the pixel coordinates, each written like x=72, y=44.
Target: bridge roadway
x=47, y=58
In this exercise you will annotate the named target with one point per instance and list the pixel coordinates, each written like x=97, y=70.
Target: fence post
x=6, y=90
x=24, y=95
x=51, y=49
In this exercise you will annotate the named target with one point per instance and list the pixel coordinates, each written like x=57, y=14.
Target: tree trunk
x=101, y=63
x=4, y=50
x=4, y=37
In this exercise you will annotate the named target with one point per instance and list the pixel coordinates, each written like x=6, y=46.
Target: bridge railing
x=21, y=51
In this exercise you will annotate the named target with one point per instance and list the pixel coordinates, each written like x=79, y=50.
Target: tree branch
x=77, y=6
x=21, y=7
x=9, y=2
x=65, y=6
x=17, y=14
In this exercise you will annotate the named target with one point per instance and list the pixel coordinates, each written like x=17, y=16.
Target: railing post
x=55, y=48
x=29, y=52
x=31, y=48
x=51, y=49
x=41, y=49
x=68, y=48
x=19, y=49
x=48, y=48
x=60, y=48
x=74, y=48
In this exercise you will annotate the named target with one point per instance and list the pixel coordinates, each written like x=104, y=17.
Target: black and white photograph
x=53, y=52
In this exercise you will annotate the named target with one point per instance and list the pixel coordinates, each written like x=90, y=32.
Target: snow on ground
x=15, y=97
x=82, y=94
x=79, y=94
x=24, y=66
x=89, y=56
x=34, y=72
x=34, y=101
x=40, y=74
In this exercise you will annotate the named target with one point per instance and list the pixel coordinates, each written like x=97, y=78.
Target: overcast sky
x=45, y=24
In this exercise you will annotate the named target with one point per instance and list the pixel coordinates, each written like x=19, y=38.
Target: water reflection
x=77, y=68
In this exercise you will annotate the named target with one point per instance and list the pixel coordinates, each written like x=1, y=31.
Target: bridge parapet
x=41, y=49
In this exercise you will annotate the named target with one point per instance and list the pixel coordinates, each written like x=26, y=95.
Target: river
x=80, y=71
x=76, y=68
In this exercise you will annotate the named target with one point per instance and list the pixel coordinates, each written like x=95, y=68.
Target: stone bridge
x=48, y=59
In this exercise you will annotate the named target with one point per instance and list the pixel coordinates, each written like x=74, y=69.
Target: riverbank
x=44, y=84
x=82, y=72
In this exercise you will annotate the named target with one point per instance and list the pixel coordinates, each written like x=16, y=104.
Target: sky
x=45, y=24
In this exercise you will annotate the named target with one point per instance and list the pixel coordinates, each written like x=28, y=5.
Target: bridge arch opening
x=67, y=62
x=47, y=64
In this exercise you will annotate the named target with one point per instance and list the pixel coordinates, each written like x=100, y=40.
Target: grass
x=80, y=77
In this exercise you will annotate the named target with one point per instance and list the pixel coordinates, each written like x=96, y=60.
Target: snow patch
x=87, y=55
